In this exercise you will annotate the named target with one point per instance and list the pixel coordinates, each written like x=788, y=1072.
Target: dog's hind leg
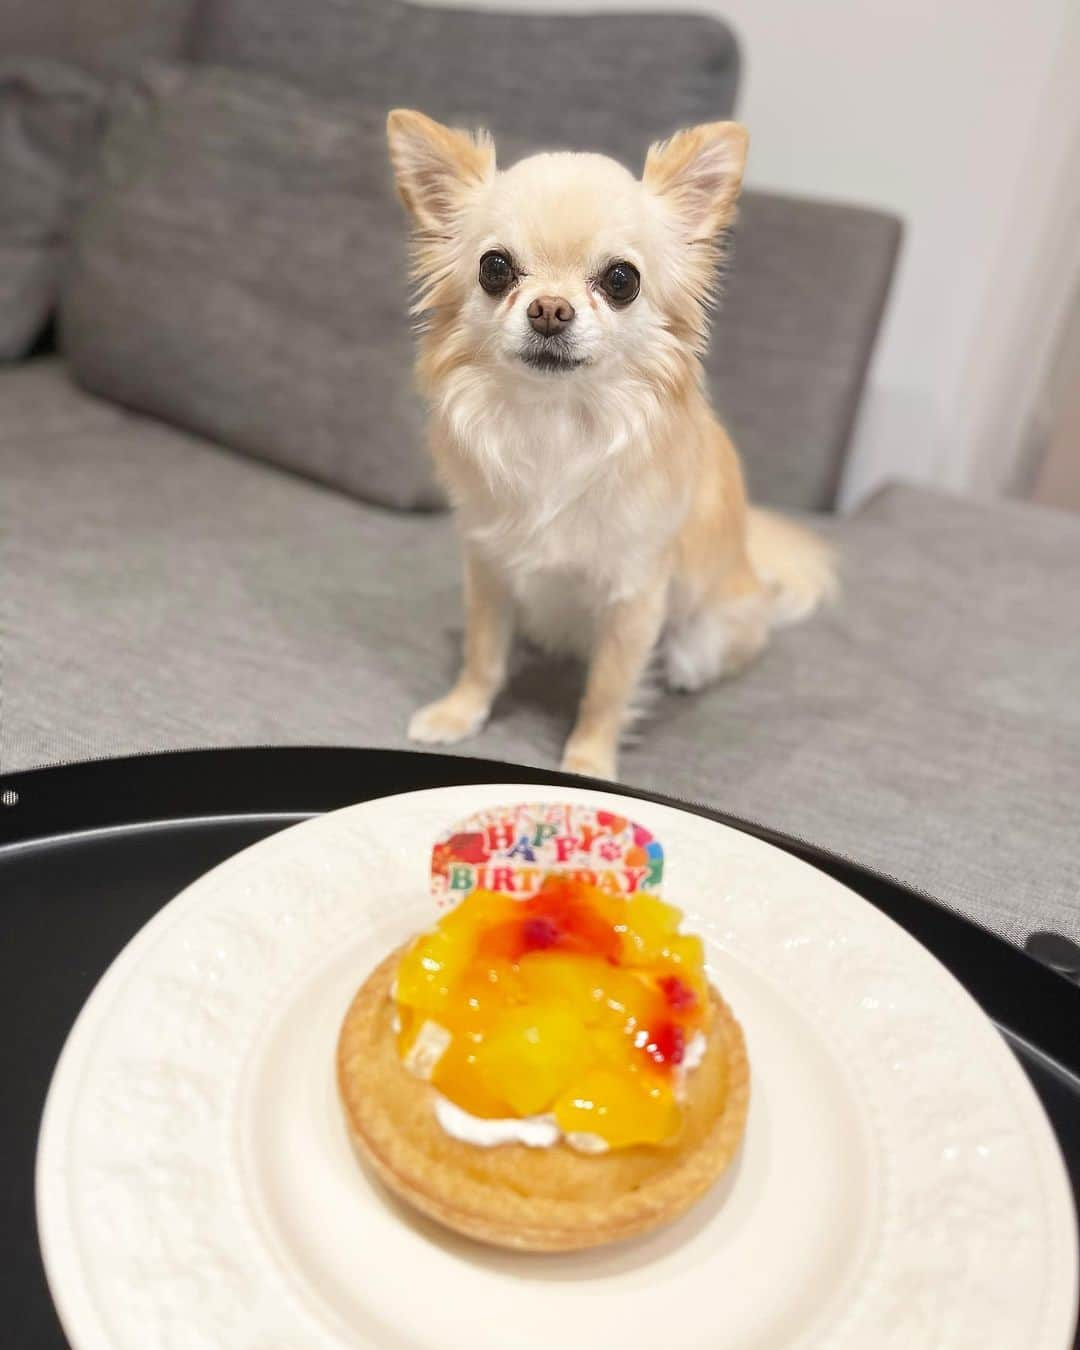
x=718, y=637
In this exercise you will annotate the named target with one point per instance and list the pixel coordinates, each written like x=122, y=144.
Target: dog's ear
x=699, y=171
x=434, y=165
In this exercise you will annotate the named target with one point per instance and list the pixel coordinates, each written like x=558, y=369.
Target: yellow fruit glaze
x=575, y=1003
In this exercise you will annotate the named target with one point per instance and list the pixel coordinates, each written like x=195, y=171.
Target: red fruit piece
x=559, y=916
x=677, y=994
x=667, y=1044
x=539, y=932
x=580, y=927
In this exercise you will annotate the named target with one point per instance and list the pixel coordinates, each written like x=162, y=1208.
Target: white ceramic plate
x=899, y=1187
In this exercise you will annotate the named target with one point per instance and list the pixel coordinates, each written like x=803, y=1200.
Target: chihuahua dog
x=601, y=504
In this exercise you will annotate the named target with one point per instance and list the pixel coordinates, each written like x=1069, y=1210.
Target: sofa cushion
x=606, y=82
x=109, y=37
x=240, y=270
x=164, y=594
x=50, y=115
x=792, y=338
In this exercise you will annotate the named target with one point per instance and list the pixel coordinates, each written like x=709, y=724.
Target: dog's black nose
x=549, y=314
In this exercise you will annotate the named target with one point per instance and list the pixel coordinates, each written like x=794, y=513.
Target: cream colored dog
x=600, y=502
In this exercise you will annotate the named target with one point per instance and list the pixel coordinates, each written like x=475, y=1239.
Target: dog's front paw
x=445, y=721
x=589, y=760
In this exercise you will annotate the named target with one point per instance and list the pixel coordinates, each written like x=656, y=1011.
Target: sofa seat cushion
x=165, y=594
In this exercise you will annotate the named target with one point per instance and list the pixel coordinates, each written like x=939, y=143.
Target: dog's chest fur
x=566, y=510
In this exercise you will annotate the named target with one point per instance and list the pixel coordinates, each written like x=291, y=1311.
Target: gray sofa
x=205, y=489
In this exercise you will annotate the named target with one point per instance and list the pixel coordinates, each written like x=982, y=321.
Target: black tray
x=89, y=852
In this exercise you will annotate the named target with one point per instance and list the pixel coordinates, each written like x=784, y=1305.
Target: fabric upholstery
x=609, y=82
x=109, y=37
x=805, y=289
x=165, y=594
x=50, y=116
x=241, y=271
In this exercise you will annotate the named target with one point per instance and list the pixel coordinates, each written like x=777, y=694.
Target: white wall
x=961, y=116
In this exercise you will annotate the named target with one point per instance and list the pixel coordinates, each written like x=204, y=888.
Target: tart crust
x=543, y=1199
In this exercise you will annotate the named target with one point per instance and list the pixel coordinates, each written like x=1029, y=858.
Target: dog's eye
x=496, y=272
x=621, y=282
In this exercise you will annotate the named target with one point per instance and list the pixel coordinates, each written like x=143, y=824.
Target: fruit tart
x=549, y=1073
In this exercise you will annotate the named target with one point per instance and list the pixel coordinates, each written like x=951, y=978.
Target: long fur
x=603, y=506
x=796, y=565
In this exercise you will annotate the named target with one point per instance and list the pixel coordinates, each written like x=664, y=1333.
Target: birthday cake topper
x=511, y=849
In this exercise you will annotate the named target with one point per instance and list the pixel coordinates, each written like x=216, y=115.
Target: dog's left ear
x=435, y=165
x=700, y=172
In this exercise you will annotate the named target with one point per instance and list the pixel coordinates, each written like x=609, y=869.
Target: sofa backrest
x=800, y=309
x=610, y=82
x=107, y=37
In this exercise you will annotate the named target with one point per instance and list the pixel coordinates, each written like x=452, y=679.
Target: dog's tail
x=794, y=563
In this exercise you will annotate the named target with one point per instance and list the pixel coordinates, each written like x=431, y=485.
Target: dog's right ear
x=435, y=165
x=699, y=172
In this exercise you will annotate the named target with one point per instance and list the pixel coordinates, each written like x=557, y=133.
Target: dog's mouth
x=553, y=356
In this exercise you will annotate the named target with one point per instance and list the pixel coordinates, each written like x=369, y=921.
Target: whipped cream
x=692, y=1057
x=532, y=1131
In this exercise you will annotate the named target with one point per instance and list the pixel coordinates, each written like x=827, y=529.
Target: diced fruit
x=685, y=949
x=666, y=1044
x=649, y=925
x=630, y=1002
x=678, y=995
x=622, y=1108
x=572, y=917
x=458, y=1078
x=483, y=994
x=684, y=956
x=574, y=982
x=502, y=942
x=574, y=1000
x=557, y=917
x=539, y=933
x=429, y=969
x=531, y=1056
x=610, y=1048
x=477, y=913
